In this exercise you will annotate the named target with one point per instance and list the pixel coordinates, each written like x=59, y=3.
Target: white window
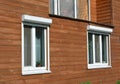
x=99, y=47
x=35, y=45
x=70, y=8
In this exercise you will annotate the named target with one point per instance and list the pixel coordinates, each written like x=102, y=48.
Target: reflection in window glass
x=40, y=56
x=82, y=9
x=104, y=48
x=67, y=8
x=27, y=46
x=97, y=49
x=70, y=8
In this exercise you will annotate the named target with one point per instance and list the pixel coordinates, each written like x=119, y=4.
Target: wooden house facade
x=42, y=42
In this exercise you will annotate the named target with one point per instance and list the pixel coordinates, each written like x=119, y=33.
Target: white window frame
x=57, y=8
x=101, y=31
x=33, y=69
x=89, y=8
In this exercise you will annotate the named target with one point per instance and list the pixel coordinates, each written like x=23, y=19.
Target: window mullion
x=107, y=42
x=33, y=40
x=89, y=9
x=45, y=47
x=23, y=57
x=93, y=38
x=100, y=37
x=48, y=49
x=55, y=7
x=109, y=50
x=75, y=8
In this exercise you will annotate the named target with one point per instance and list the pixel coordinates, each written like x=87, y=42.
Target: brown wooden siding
x=101, y=11
x=104, y=11
x=68, y=46
x=93, y=11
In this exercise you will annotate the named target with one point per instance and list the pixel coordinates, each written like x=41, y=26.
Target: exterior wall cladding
x=68, y=44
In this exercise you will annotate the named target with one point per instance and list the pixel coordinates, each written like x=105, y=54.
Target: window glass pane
x=27, y=46
x=67, y=8
x=97, y=48
x=40, y=56
x=52, y=6
x=104, y=48
x=90, y=44
x=82, y=9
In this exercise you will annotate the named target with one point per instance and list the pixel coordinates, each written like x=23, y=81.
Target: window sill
x=32, y=72
x=98, y=66
x=82, y=20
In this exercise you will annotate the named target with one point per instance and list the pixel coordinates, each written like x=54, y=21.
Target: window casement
x=35, y=45
x=70, y=8
x=99, y=54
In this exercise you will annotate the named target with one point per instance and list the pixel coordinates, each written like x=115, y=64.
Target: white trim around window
x=38, y=22
x=98, y=37
x=99, y=29
x=89, y=8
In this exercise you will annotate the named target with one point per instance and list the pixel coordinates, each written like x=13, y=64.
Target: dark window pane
x=97, y=49
x=67, y=8
x=104, y=48
x=40, y=55
x=90, y=44
x=27, y=46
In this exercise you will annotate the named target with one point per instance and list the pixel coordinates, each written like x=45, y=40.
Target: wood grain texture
x=68, y=44
x=101, y=11
x=104, y=11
